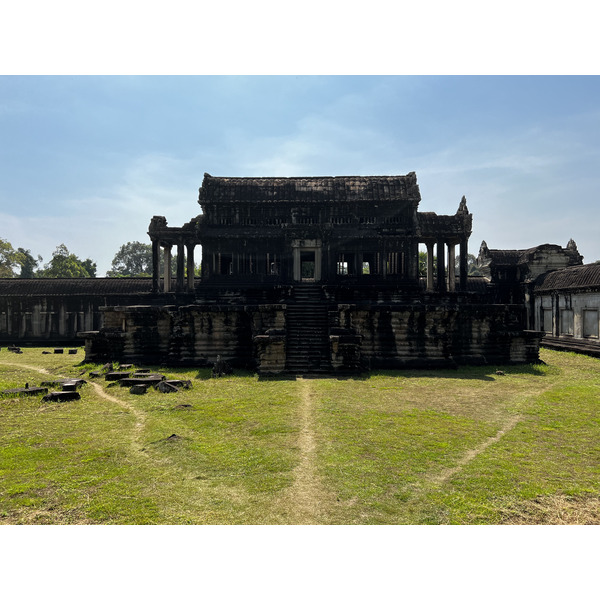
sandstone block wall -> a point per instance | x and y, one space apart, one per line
191 334
444 336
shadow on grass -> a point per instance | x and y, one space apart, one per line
483 373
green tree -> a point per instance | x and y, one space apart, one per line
27 263
89 266
133 259
423 264
8 259
65 264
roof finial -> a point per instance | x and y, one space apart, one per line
462 207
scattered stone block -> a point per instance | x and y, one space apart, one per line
15 349
129 381
221 368
180 383
61 396
166 388
24 391
146 373
62 382
138 388
116 375
125 367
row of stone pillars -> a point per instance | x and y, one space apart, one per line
181 284
439 283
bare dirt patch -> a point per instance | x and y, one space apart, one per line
555 510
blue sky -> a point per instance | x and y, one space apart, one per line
88 160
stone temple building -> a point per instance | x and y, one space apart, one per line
315 274
304 274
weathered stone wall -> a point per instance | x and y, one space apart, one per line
269 338
49 311
183 335
569 315
47 319
404 336
551 258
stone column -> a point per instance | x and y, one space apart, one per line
441 267
297 268
318 259
463 264
155 266
180 267
430 286
414 261
190 267
167 271
451 267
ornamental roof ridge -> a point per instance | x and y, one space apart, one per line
301 189
410 175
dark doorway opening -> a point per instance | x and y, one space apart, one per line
307 265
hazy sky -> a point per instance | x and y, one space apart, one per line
88 160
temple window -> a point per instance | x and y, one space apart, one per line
370 259
547 320
566 321
225 264
590 323
393 266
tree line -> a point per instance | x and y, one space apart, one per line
133 259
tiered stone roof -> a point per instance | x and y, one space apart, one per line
307 189
571 278
88 286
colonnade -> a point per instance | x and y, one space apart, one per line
185 272
437 281
444 249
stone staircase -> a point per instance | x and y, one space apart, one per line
307 348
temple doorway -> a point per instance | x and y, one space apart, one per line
307 260
307 265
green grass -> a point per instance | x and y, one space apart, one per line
385 448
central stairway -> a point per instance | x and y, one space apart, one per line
307 327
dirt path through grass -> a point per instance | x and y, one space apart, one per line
471 454
305 500
140 417
30 367
136 413
507 426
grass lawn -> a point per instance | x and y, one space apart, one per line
398 447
